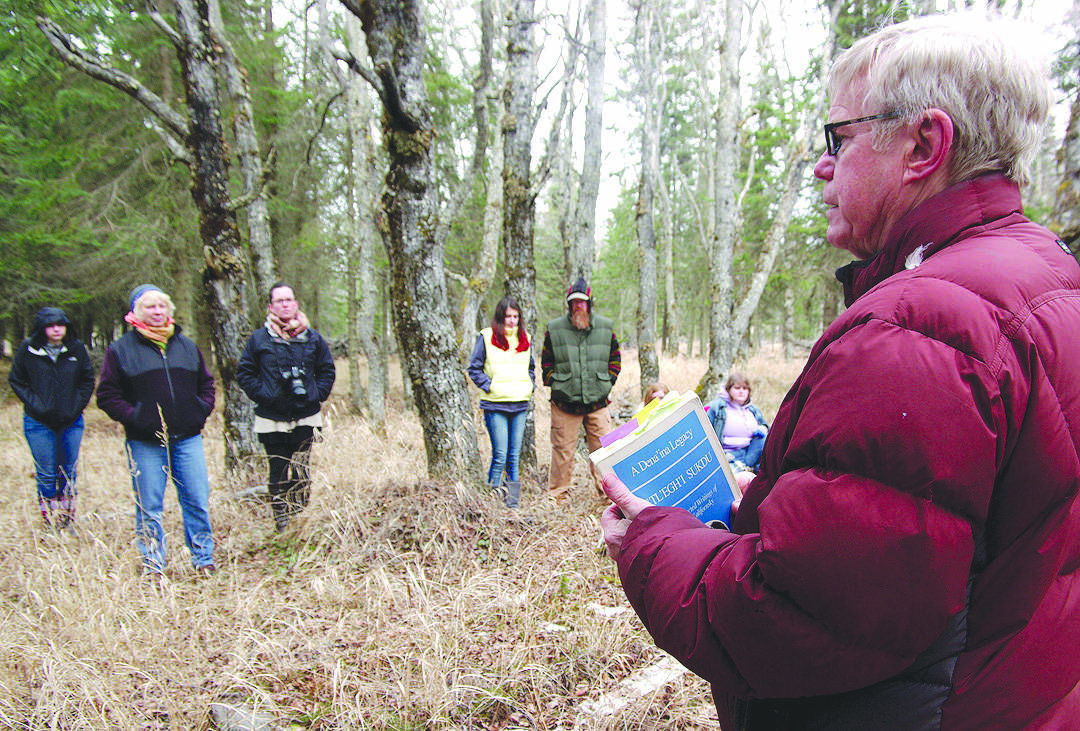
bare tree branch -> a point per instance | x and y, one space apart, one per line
170 32
322 124
359 69
93 66
235 204
176 147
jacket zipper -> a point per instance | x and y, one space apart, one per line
168 378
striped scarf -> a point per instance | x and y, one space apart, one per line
159 334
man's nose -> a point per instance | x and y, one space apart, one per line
823 170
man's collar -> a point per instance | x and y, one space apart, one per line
930 227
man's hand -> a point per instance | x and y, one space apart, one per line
742 479
616 519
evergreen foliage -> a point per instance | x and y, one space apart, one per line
92 201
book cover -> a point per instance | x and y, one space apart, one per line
674 458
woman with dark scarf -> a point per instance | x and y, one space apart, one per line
288 371
53 376
502 367
155 382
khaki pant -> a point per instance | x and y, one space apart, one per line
564 436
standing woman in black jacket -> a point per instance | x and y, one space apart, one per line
288 371
155 382
53 377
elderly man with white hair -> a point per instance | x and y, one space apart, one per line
908 556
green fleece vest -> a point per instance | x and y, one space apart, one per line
581 357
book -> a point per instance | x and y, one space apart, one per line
674 458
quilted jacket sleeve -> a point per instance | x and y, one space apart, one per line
855 542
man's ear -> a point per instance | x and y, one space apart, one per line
932 148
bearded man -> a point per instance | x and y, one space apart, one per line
580 362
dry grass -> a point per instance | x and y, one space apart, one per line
394 603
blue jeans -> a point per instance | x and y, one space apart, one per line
750 455
55 454
151 467
506 431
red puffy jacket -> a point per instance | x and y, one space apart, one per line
908 556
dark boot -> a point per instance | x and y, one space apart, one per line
513 494
296 499
281 515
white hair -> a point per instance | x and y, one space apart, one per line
140 304
979 71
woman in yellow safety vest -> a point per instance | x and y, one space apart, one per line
502 367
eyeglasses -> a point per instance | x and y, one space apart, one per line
833 140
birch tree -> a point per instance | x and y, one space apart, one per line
583 244
670 329
519 196
723 340
362 161
730 320
477 286
795 161
396 45
649 97
198 140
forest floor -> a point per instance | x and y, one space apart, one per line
394 602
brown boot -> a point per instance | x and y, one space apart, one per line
559 493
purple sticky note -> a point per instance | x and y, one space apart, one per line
618 433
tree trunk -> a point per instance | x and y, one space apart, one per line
722 341
728 323
225 261
379 364
583 252
362 162
519 199
787 331
480 282
396 45
648 42
1065 220
672 332
260 240
365 179
353 246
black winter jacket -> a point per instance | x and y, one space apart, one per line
138 379
54 394
264 360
